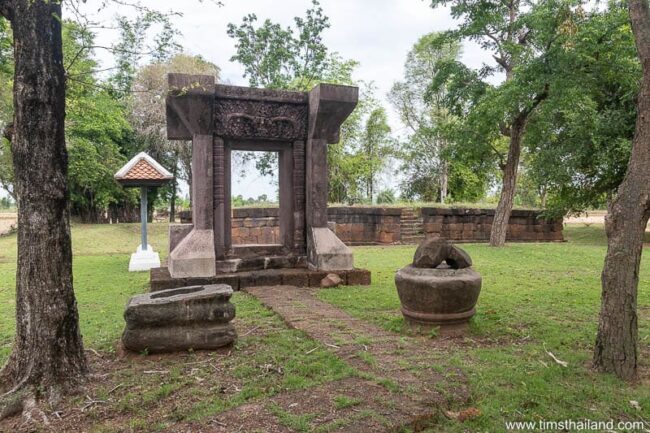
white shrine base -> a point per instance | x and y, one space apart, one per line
144 260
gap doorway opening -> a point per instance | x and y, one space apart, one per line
255 198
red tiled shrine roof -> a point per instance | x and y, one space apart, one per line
142 170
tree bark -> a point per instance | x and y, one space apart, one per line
444 174
616 342
47 357
172 203
506 200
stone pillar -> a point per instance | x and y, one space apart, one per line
190 104
298 150
285 165
202 183
317 180
219 193
195 254
329 106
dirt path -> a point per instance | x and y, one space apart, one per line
397 385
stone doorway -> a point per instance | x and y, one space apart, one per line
286 241
220 119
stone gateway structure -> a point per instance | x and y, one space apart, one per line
298 126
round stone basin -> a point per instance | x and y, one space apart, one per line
438 296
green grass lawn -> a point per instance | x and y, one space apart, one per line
535 298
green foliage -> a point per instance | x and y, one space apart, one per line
364 149
426 163
571 73
376 146
7 203
386 196
527 44
133 46
6 72
581 139
296 58
278 58
465 184
260 201
6 167
96 126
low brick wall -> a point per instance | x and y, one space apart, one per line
366 225
474 225
255 226
384 226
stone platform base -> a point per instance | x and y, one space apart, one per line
161 279
144 260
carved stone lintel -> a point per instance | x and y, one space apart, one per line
252 119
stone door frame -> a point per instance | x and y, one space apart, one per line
299 125
291 192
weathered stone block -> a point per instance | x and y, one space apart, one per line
358 277
271 277
195 317
298 279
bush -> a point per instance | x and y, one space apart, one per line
386 196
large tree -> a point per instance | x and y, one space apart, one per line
578 144
96 127
278 58
523 38
425 115
47 357
376 146
617 339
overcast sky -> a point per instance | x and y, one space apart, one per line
377 33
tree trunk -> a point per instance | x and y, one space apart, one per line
506 201
616 341
48 356
444 172
444 181
172 202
